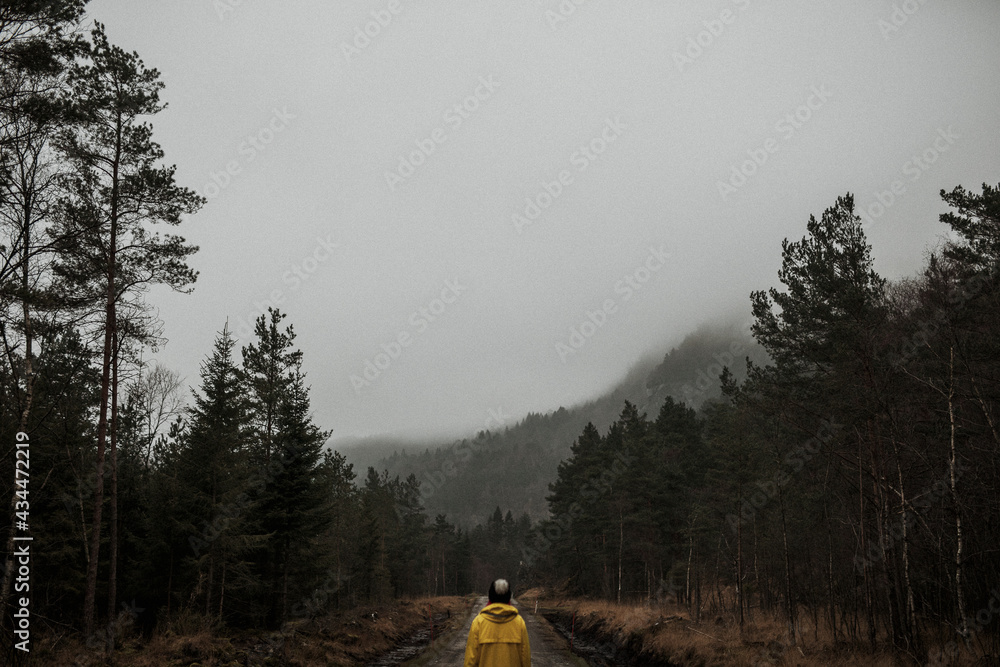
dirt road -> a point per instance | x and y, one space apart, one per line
548 648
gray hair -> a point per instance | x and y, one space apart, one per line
499 591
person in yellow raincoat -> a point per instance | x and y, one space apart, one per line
498 636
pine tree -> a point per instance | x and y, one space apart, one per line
820 331
268 362
579 547
977 223
379 517
214 472
293 508
408 547
173 537
118 188
340 540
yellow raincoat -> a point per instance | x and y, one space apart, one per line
498 638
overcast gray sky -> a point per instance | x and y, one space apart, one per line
355 179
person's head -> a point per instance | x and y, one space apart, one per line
500 591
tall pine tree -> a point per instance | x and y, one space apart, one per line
118 188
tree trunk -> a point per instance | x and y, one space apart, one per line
110 322
284 588
953 485
339 570
170 584
222 588
211 583
789 602
687 585
211 561
912 635
832 609
739 552
621 548
606 583
865 561
89 601
649 592
890 573
113 523
756 567
697 594
718 579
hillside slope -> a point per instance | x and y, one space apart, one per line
467 479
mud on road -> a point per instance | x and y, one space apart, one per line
548 647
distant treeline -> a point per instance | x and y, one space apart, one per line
854 479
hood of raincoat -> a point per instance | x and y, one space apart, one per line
499 612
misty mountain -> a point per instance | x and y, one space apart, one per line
469 478
690 372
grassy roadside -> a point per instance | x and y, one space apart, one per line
666 635
349 637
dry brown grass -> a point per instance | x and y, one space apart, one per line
344 638
668 633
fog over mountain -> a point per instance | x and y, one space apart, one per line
511 460
444 199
